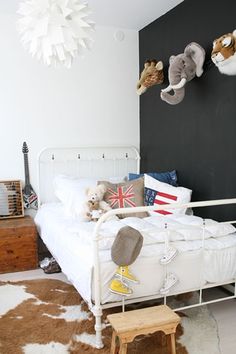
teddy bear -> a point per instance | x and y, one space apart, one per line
94 205
94 212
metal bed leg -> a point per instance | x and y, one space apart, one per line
97 311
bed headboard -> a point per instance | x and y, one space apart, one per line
99 162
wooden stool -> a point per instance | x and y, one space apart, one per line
128 325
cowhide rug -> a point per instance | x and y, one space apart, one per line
48 316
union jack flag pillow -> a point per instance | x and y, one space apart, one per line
121 196
125 195
160 193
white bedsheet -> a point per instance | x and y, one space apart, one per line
70 241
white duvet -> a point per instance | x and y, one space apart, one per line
155 229
70 241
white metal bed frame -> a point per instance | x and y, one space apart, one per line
91 162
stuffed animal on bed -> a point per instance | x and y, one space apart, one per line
94 212
152 74
94 205
223 53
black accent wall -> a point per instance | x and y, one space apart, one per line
198 136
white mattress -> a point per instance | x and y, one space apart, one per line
70 242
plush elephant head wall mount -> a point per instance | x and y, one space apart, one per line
152 74
183 68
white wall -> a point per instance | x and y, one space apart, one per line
93 103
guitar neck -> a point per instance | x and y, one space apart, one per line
26 165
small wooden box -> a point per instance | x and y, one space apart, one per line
18 245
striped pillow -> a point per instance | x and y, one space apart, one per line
160 193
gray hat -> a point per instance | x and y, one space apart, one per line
126 246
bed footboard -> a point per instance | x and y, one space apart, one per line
97 308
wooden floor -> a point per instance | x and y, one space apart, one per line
224 312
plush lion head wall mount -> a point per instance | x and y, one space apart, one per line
223 53
152 74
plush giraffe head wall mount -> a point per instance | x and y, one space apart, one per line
151 75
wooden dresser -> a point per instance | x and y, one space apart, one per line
18 245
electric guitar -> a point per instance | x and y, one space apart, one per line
29 196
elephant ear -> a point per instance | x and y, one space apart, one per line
197 53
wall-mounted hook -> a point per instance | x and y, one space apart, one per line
53 157
78 156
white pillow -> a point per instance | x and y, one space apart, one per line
71 192
158 193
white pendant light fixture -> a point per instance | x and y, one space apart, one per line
55 31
